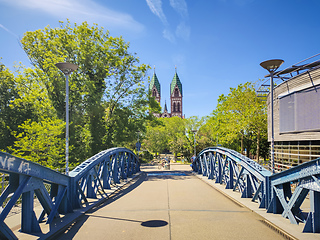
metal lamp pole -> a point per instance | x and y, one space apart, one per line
67 69
272 66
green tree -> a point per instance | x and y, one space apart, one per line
238 120
156 137
107 84
41 142
193 123
39 137
9 118
175 128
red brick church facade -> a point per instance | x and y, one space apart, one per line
175 96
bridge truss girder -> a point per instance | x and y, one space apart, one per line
273 192
66 193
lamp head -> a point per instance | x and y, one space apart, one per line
272 65
66 68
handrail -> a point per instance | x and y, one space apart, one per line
306 177
274 192
236 171
66 193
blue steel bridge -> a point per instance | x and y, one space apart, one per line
63 199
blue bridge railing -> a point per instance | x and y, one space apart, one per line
65 193
281 193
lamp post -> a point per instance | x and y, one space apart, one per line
272 66
194 137
67 69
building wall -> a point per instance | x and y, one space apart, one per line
155 94
176 102
293 147
295 84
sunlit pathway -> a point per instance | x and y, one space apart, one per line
170 205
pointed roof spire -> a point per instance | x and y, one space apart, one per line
165 106
175 81
154 81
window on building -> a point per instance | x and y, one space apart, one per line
176 92
174 107
299 111
154 93
178 110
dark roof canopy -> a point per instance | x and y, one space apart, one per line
295 69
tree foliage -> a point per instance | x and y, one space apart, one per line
239 121
107 93
174 134
108 101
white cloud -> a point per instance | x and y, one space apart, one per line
7 30
85 10
168 35
180 6
156 8
183 31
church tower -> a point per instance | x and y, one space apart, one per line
154 88
176 96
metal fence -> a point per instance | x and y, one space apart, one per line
57 193
273 192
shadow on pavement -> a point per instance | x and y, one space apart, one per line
72 230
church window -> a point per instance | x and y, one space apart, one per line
174 107
176 92
178 107
154 93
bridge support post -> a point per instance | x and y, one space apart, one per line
129 166
230 182
313 220
211 159
90 189
106 174
219 172
29 222
247 192
123 164
265 193
115 170
275 204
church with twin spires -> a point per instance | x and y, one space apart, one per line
175 96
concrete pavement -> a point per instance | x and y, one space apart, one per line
170 205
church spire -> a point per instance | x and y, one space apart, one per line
176 96
165 106
175 81
155 82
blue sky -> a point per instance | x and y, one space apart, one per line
215 44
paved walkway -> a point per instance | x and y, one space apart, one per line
170 205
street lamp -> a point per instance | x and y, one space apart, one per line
67 69
272 66
194 137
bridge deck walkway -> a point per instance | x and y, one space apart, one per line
172 205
